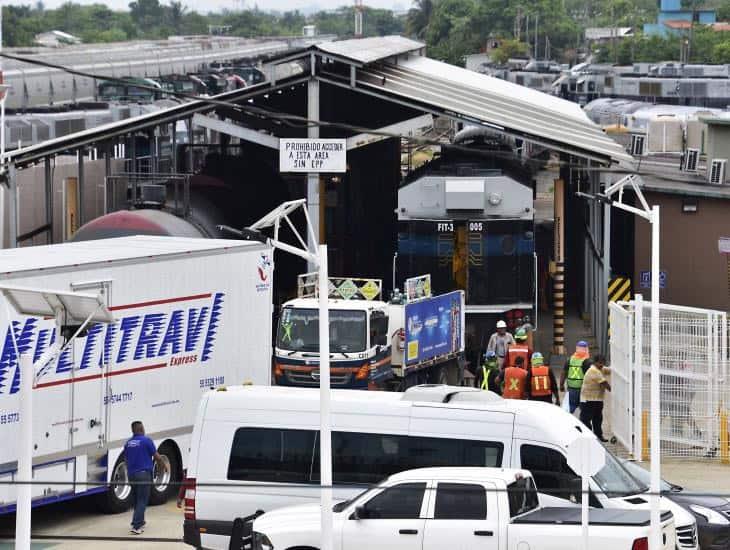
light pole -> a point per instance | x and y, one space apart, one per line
314 255
650 214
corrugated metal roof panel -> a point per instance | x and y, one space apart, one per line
46 257
514 108
368 50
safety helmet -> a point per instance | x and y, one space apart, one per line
582 344
520 334
537 359
490 355
501 324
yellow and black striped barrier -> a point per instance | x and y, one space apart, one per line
619 289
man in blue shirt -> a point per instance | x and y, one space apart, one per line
139 451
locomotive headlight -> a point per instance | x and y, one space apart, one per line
495 199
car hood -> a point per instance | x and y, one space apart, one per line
681 516
716 503
304 515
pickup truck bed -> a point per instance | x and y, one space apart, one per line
596 516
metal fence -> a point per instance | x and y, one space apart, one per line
693 377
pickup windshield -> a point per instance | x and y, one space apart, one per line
299 330
522 495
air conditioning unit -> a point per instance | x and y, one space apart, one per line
689 160
637 145
716 171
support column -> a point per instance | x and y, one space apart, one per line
606 272
49 197
173 153
107 173
559 276
191 139
82 194
12 207
313 189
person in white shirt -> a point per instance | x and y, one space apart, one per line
499 341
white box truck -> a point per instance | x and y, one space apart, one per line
190 315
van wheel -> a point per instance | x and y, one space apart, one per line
163 481
118 497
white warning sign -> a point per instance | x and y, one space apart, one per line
312 155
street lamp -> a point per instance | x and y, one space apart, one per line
316 256
650 214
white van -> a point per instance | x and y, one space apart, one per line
256 448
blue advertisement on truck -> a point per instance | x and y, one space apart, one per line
434 327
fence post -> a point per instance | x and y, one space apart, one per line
639 431
724 443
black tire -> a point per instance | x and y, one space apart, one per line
164 486
118 497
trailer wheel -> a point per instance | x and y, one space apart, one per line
163 481
118 497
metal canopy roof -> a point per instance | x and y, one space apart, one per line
470 96
35 153
367 50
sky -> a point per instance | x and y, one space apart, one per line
204 6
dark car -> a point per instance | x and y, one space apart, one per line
712 513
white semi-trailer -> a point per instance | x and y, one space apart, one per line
190 315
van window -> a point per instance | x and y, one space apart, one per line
552 474
260 454
266 454
460 501
369 458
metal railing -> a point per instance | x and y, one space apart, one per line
145 190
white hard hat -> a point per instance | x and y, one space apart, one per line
501 324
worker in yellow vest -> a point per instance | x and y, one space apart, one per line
541 381
489 373
574 371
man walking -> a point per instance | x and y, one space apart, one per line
574 370
139 450
499 342
514 379
591 396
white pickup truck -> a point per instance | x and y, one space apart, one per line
464 508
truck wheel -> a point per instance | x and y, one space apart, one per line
163 481
118 498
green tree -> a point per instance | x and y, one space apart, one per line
721 52
147 14
418 18
508 48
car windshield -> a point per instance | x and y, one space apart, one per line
616 481
643 476
299 330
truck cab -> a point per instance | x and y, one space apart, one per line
360 347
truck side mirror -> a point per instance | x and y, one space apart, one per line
360 513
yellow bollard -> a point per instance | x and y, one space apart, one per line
724 444
645 435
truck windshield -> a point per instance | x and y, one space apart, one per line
299 330
615 480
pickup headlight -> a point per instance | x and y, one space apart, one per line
711 516
261 542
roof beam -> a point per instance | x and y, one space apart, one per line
401 128
231 129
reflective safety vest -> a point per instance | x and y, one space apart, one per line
515 351
540 383
485 375
575 372
514 383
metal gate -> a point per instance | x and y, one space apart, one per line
622 387
693 372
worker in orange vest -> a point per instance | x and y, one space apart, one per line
519 349
515 381
541 381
